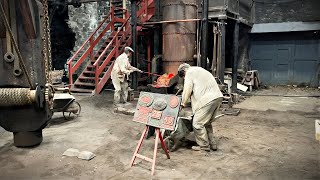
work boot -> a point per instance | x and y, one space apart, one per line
214 147
199 148
116 105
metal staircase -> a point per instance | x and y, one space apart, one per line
95 58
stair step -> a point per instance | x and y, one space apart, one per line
87 78
80 90
88 72
92 72
83 84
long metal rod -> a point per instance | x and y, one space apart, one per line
223 50
153 74
214 60
218 74
172 21
22 64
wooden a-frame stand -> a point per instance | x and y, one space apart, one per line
153 161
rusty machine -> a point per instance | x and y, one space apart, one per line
27 99
26 93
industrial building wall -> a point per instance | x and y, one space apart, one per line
287 58
277 11
284 53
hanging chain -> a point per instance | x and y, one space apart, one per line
47 54
46 42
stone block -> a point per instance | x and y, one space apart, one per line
71 152
86 155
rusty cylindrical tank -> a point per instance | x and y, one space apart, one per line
179 38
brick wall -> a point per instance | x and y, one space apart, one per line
269 11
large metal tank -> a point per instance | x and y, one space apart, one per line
23 109
179 38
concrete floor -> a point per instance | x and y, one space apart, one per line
272 138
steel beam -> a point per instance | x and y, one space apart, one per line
134 42
156 38
235 56
204 34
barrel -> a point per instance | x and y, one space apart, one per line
179 38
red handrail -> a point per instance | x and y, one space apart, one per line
144 13
73 67
113 53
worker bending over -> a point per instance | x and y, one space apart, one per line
120 75
206 98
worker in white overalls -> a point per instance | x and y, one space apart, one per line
120 75
206 98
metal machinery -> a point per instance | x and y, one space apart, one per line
26 94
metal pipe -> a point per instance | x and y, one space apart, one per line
204 34
214 60
156 35
223 56
149 55
235 56
153 74
134 42
172 21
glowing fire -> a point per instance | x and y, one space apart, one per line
163 81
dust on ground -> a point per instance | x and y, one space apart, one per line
272 138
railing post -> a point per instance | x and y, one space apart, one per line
112 18
145 10
117 45
70 75
91 48
96 78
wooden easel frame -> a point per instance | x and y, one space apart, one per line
153 161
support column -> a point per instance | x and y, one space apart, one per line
156 35
235 56
223 51
204 34
134 42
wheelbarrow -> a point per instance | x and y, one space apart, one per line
67 104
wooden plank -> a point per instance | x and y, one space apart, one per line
26 9
144 158
139 145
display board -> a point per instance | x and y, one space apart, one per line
158 110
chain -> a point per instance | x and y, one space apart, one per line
47 54
46 42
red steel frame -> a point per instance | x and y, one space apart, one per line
153 160
120 36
